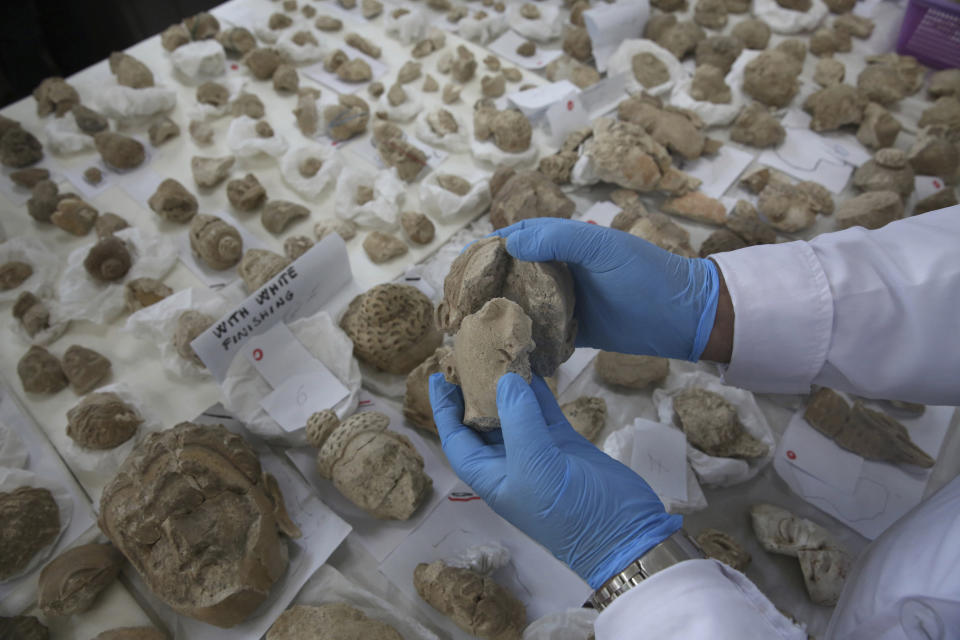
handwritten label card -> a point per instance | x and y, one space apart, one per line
659 456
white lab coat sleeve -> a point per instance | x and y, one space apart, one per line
870 312
695 600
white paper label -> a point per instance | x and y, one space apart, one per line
533 100
718 172
659 456
806 448
604 96
610 24
298 291
506 47
927 186
602 213
566 117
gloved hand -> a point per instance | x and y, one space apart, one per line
590 511
632 296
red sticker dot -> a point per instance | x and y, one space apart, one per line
258 354
791 455
569 105
936 183
234 67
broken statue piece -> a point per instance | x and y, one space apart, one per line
416 399
780 531
280 214
246 193
771 78
119 151
381 247
329 621
129 71
30 521
473 601
172 201
170 515
375 468
834 107
216 242
418 227
85 368
519 195
510 129
871 210
71 582
543 290
587 415
491 342
712 426
258 266
868 433
392 327
209 172
109 260
720 546
102 421
824 573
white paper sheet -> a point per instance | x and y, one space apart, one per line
534 101
380 537
719 171
565 117
809 450
802 156
574 366
660 457
610 24
506 47
602 213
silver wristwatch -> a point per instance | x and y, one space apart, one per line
677 548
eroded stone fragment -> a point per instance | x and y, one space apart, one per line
348 118
721 546
382 247
248 104
190 324
286 79
712 426
872 210
174 36
129 71
102 421
835 106
209 172
717 51
587 415
473 601
202 26
163 130
942 199
824 573
708 85
357 41
246 193
71 582
829 72
280 214
771 78
143 292
13 274
753 32
19 148
55 95
697 206
75 216
29 522
416 400
568 68
945 111
237 41
119 151
330 621
201 132
791 207
526 194
577 44
346 229
889 78
934 153
109 260
216 242
510 129
711 14
780 531
43 201
88 120
757 127
171 201
171 516
28 178
888 170
418 227
878 129
259 265
408 159
649 70
945 83
33 314
85 369
263 62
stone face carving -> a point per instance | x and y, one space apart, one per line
375 468
491 342
102 421
190 324
216 242
866 432
73 580
143 292
416 401
543 290
330 621
259 265
119 151
109 260
474 602
392 327
40 371
587 415
712 425
172 201
85 368
193 501
518 195
29 521
720 546
635 372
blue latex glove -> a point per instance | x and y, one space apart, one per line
590 511
632 296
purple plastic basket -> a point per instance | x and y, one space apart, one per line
931 33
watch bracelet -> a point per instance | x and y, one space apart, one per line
675 549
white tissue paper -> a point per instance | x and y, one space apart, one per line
543 29
713 115
457 142
441 204
409 28
571 624
43 260
299 53
64 136
787 21
11 479
583 173
156 324
264 33
482 558
389 195
482 30
13 451
403 112
621 61
106 462
487 151
328 585
198 111
714 471
310 188
200 60
124 102
619 446
243 387
83 298
58 325
244 141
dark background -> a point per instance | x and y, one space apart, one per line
41 38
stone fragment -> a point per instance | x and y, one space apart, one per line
55 95
360 43
171 201
872 210
942 199
346 229
934 153
835 106
567 68
451 93
28 178
409 72
13 274
493 86
789 207
408 159
829 71
109 223
720 546
757 127
418 227
430 84
771 78
163 130
213 94
711 425
32 313
944 83
826 42
202 26
681 38
708 85
161 498
88 120
371 8
793 48
744 220
74 216
285 79
93 175
143 292
649 70
856 26
346 119
527 49
19 148
332 620
416 400
525 194
454 184
720 241
43 201
587 415
237 41
129 71
263 62
886 80
247 104
258 266
201 132
633 372
697 206
174 36
878 129
246 193
577 44
209 172
945 111
382 247
109 260
29 522
278 21
717 51
217 243
71 582
85 369
190 324
334 59
510 129
711 14
40 372
119 151
512 74
888 170
280 214
102 421
753 32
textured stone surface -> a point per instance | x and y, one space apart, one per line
85 368
29 522
209 172
872 210
678 130
330 621
102 421
172 201
509 129
625 154
416 400
382 247
712 426
40 371
75 216
697 206
526 194
877 175
721 546
143 292
757 127
71 582
771 78
129 71
634 372
13 274
216 242
587 415
55 95
246 193
259 265
119 151
753 32
109 260
835 106
418 227
280 214
19 148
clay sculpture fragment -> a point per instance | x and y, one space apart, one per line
678 130
102 421
720 546
109 260
193 501
509 129
33 314
871 210
143 292
75 216
190 324
40 371
473 601
416 400
71 582
108 224
518 195
23 628
119 151
824 573
543 290
216 242
246 193
863 431
259 265
13 274
712 426
375 468
29 521
392 327
491 342
587 415
757 127
171 201
330 621
85 368
280 214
